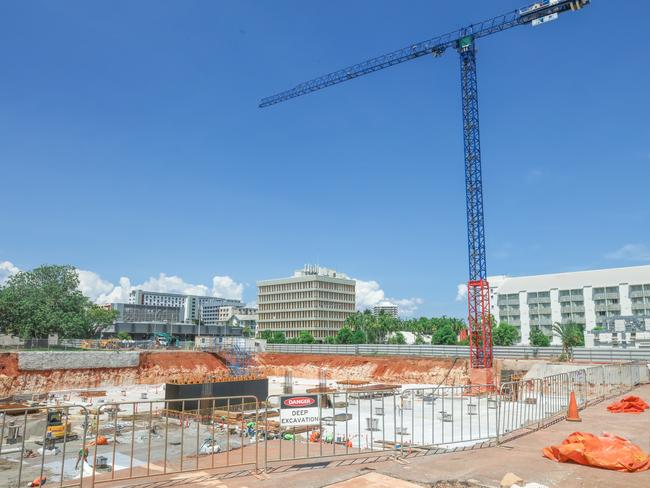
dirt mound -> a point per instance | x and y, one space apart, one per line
372 368
153 368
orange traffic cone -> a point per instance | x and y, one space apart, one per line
573 415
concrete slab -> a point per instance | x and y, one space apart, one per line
478 467
374 480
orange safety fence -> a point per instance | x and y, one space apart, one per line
607 451
629 404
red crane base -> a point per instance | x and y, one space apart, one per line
479 324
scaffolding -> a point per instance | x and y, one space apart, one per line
239 359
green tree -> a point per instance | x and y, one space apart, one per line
247 331
397 338
571 335
47 300
330 340
344 336
505 334
444 335
305 337
369 325
123 336
419 340
266 335
278 337
358 337
97 319
272 337
538 338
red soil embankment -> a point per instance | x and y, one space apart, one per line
154 368
386 369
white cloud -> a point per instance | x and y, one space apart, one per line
408 306
370 293
461 291
222 286
119 293
92 285
226 287
7 269
173 284
630 252
102 291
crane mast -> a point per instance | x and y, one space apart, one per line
463 41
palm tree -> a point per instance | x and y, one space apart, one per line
571 336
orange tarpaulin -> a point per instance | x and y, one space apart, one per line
606 451
629 404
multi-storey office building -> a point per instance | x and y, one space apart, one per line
390 310
130 312
589 298
314 299
190 304
213 314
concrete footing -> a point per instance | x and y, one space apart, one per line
482 376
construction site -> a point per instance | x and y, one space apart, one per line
151 417
339 414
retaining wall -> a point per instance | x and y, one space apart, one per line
51 360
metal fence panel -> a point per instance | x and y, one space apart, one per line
512 352
135 439
40 452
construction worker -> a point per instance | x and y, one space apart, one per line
40 481
251 428
82 457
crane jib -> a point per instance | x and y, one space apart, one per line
463 40
533 14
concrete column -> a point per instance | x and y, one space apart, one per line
556 313
624 296
590 308
524 317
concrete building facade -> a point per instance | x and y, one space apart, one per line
314 299
190 304
130 312
213 314
588 298
390 310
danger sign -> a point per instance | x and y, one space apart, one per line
298 410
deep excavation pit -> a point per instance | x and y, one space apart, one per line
22 373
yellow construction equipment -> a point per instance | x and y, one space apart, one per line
112 343
58 427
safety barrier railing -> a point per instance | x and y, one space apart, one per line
527 403
173 436
77 445
590 354
357 421
449 416
49 428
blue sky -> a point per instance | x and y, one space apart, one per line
131 144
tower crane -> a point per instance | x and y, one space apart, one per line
464 42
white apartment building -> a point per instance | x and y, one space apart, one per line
190 304
387 309
314 299
589 298
214 314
